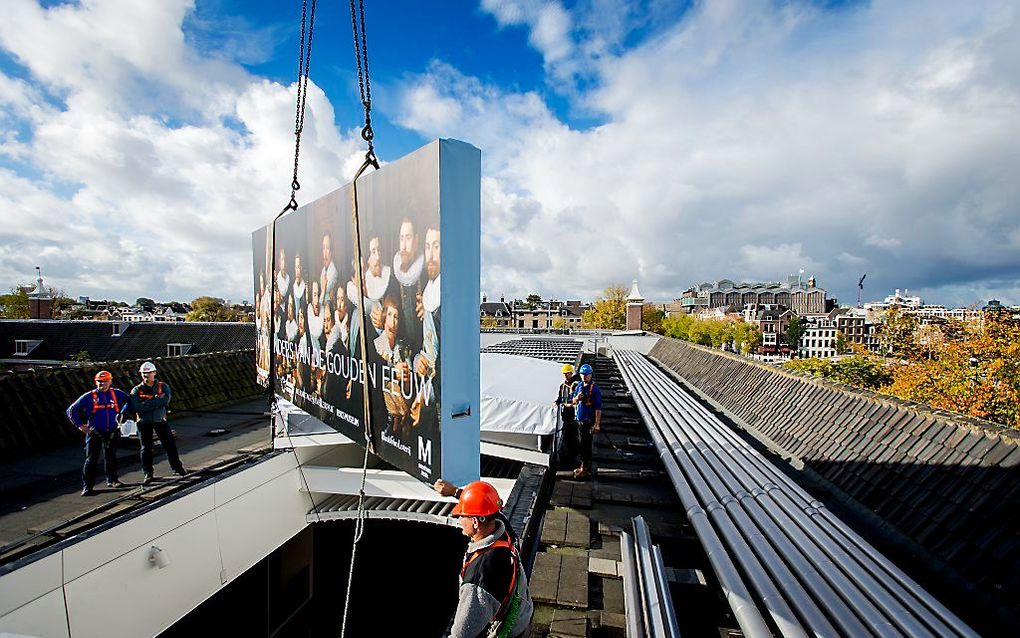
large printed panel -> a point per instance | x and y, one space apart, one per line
309 306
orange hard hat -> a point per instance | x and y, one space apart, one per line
477 499
104 375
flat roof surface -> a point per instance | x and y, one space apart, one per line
42 491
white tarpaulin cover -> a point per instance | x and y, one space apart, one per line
518 394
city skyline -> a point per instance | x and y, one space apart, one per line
669 144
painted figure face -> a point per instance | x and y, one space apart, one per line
315 296
391 321
282 261
341 301
298 273
327 320
327 250
408 244
374 258
432 252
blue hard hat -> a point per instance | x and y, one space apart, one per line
586 369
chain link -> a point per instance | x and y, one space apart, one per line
364 79
304 65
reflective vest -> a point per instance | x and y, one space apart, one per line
96 405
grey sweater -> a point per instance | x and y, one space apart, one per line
484 585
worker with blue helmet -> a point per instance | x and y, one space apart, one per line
587 400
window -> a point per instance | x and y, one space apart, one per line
177 349
24 347
117 330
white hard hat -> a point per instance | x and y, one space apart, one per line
147 367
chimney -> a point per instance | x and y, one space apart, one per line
635 303
40 303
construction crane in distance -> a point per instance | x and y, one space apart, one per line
860 288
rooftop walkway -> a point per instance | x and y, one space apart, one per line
577 581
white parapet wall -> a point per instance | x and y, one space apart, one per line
206 538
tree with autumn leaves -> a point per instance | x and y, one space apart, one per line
608 312
970 369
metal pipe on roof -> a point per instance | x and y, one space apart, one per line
706 521
789 593
859 595
631 595
838 593
655 617
931 611
672 628
911 599
840 553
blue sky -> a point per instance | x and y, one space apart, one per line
664 141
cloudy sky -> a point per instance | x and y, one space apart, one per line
141 142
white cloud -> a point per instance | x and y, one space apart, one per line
168 158
752 139
888 243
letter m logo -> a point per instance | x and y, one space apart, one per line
424 451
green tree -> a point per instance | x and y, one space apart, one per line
145 303
794 331
14 305
651 319
211 309
609 312
82 355
533 300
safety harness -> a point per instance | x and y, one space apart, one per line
586 391
145 396
503 621
96 405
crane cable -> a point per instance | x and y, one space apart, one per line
367 134
304 62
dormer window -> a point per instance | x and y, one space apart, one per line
117 330
22 347
177 349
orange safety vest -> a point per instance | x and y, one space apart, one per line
105 406
514 562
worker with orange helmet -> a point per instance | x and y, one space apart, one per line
97 414
494 600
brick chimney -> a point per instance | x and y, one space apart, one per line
635 303
40 302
